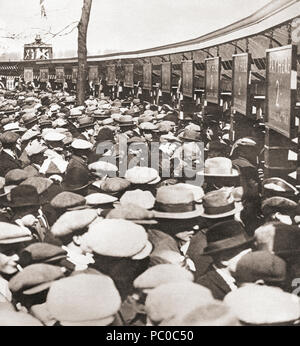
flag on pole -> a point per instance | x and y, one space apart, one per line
43 11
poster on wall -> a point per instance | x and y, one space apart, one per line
74 74
128 80
59 74
28 75
93 74
44 75
188 78
281 84
166 77
111 75
241 83
147 76
212 79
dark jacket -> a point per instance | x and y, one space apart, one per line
8 163
213 281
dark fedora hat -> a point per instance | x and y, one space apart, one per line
224 236
24 196
75 179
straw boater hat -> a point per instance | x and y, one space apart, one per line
173 202
219 167
219 204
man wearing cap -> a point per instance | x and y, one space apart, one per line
81 150
227 243
8 156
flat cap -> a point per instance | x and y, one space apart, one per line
72 221
162 274
41 252
66 200
10 233
84 298
260 265
13 318
35 278
141 175
9 137
81 144
102 166
41 184
111 185
143 199
15 176
176 298
115 238
99 198
263 305
132 212
213 314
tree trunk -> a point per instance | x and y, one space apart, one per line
82 51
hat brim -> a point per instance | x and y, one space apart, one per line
151 182
155 181
144 222
238 207
25 204
73 187
95 204
37 289
234 173
189 139
213 252
145 252
55 258
180 216
16 240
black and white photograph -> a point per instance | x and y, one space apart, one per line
149 165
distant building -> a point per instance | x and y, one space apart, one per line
38 50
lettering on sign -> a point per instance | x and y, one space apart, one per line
111 75
93 74
240 87
188 78
44 75
147 76
28 75
60 74
212 79
37 53
74 74
280 98
166 77
128 81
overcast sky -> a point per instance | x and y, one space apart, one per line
117 25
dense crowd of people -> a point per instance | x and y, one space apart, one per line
121 213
